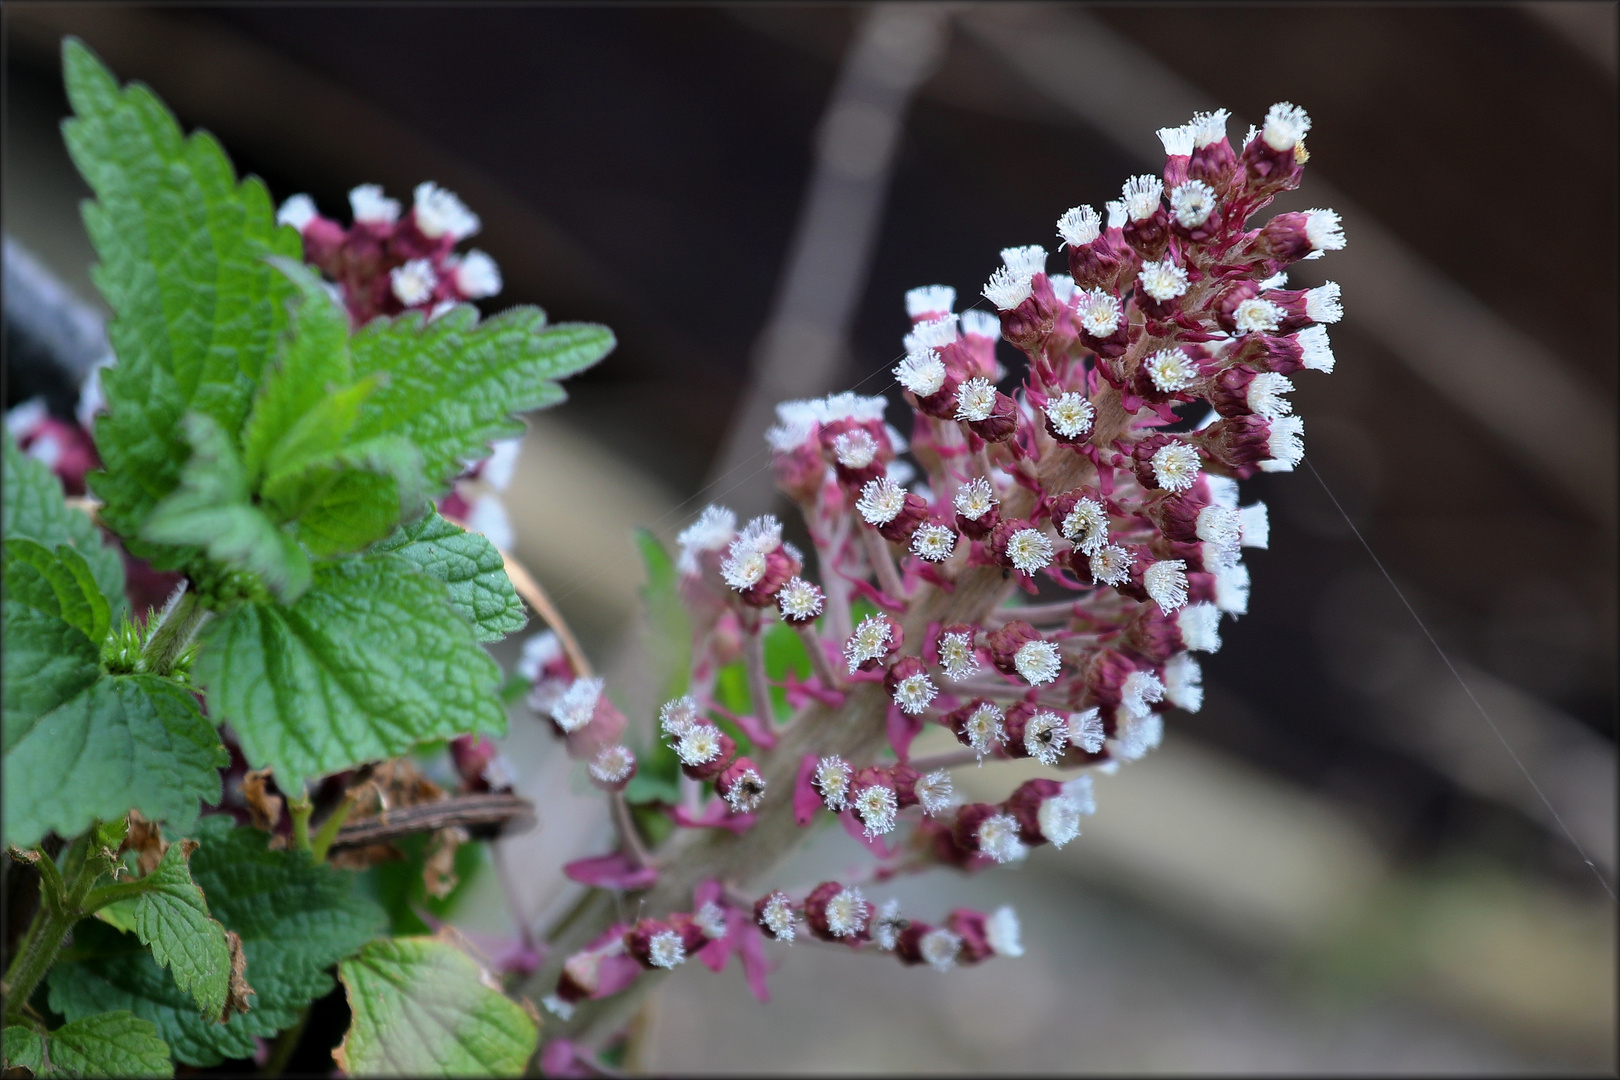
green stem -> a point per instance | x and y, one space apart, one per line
111 894
178 623
285 1044
329 828
299 810
59 910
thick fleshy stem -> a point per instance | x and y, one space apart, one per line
882 560
820 666
177 624
949 760
759 687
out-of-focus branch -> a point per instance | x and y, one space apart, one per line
467 811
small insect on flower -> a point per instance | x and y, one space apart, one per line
984 730
831 780
1086 730
1166 582
800 601
1175 466
957 655
976 399
742 786
998 838
1029 550
1039 662
1171 370
881 501
1111 565
1070 414
933 542
1191 203
975 499
578 703
935 792
886 926
775 914
1086 526
1162 280
1046 736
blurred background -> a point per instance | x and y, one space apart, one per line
1340 864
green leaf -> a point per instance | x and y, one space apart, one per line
124 741
107 1044
470 567
296 918
455 383
55 620
36 508
422 1007
171 917
369 661
197 309
352 497
120 914
24 1047
213 509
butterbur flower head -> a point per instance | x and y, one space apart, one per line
676 717
933 541
655 944
1285 442
1085 525
1175 466
1184 682
934 792
1079 226
997 837
930 302
976 400
438 212
881 501
413 283
799 601
1315 351
1199 625
711 919
1038 662
702 745
613 767
910 687
877 636
1069 416
742 786
1192 203
1322 303
1162 281
1166 582
1141 196
1006 642
957 654
1086 730
711 532
1110 565
922 373
776 915
371 207
874 802
835 912
981 727
577 705
1285 126
298 211
1003 933
476 276
832 779
975 504
1140 690
757 564
1170 370
1046 736
938 947
1100 313
1256 315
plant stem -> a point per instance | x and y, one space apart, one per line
59 910
281 1051
299 810
882 560
819 664
759 688
329 828
177 624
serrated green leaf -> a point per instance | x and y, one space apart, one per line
197 308
469 565
171 918
369 661
35 508
120 914
24 1048
354 496
213 509
108 1044
455 383
55 620
296 918
421 1007
125 741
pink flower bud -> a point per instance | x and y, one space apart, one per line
856 450
836 913
969 925
654 943
776 914
705 752
1024 804
1027 324
1005 643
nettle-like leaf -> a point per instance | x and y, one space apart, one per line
213 509
471 568
171 918
107 1044
55 621
369 661
197 308
296 918
454 383
35 508
422 1007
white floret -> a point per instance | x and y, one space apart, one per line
1192 202
440 213
371 206
578 703
1184 682
1171 370
298 211
1039 662
1141 196
923 373
930 300
881 501
1079 226
1162 280
1166 582
1285 126
976 399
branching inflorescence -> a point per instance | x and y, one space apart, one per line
1039 590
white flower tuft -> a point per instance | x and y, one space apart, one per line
1166 582
298 211
477 276
930 300
574 709
1001 932
371 206
1175 466
711 919
539 651
1141 196
983 729
1162 280
976 399
1256 315
1099 312
923 373
1200 626
1219 526
1315 352
440 213
1265 395
1171 370
1071 414
847 913
1139 691
877 808
1178 141
1079 226
976 323
675 718
998 838
1286 444
957 656
1046 736
777 917
1208 128
869 641
699 744
932 334
1232 588
666 950
1323 230
1275 281
1039 662
1086 526
1285 125
1137 734
712 531
1111 565
940 948
974 499
1063 287
914 693
1079 789
557 1007
1086 730
881 501
746 792
1059 819
796 423
1191 203
855 449
1254 526
1029 260
933 542
799 599
935 792
413 282
1322 303
1007 288
832 777
887 925
1223 491
1184 682
1029 550
1116 214
613 764
745 562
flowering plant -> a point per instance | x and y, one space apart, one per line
276 435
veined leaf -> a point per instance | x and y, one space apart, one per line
422 1007
35 508
106 1044
455 383
469 566
197 308
171 918
296 918
55 621
369 661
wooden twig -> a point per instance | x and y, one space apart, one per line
468 811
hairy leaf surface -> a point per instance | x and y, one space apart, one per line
35 507
106 1044
470 567
172 919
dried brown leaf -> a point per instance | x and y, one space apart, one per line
238 993
262 805
146 840
439 869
